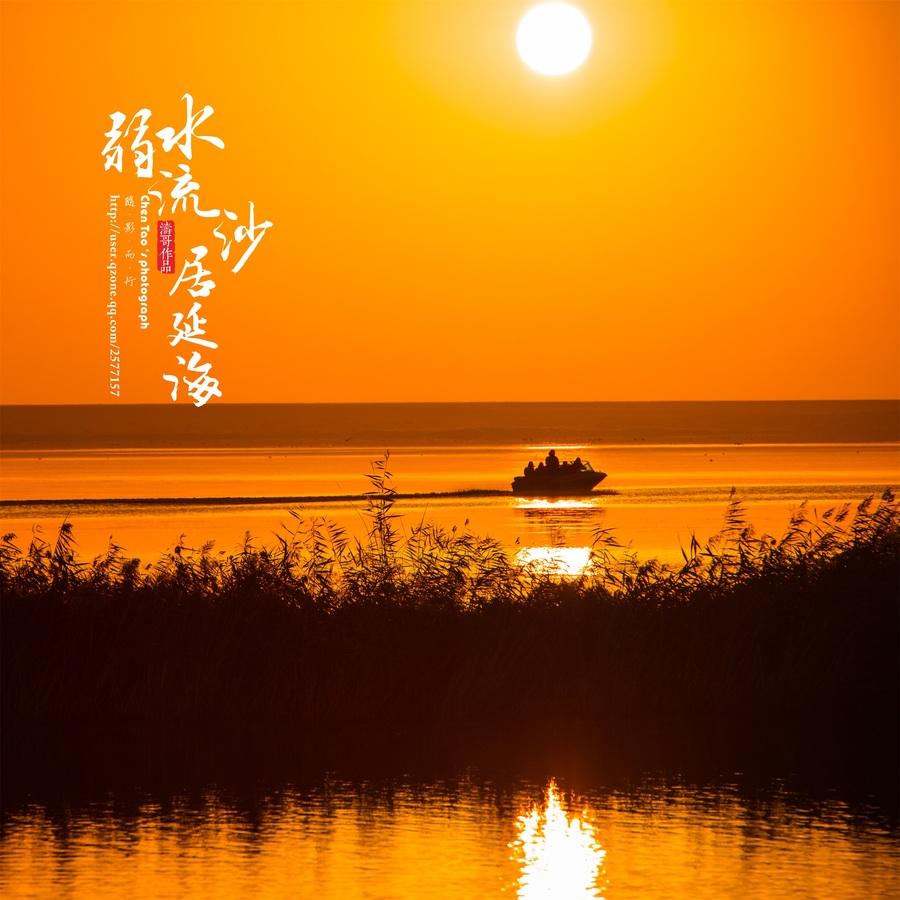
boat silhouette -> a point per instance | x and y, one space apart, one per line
561 479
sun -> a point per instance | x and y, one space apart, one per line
554 38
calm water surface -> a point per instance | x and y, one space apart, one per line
461 838
654 497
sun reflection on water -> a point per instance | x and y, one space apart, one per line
556 504
557 851
556 560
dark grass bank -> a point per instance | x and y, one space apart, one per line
442 630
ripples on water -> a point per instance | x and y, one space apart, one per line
463 838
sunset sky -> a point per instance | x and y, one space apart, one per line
707 209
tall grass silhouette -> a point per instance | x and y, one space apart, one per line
441 625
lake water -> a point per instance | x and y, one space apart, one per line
654 497
464 837
146 476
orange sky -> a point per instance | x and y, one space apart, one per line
707 210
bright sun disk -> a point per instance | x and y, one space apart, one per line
554 38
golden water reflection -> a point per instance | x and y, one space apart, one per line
558 852
556 560
537 503
332 839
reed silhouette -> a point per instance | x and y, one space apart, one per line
442 626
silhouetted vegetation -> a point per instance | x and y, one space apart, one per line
444 627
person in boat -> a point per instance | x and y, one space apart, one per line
578 464
552 461
540 468
529 469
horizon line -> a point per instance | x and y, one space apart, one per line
114 404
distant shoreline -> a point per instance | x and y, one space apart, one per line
355 425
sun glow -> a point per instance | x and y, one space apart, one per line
556 504
558 852
556 560
554 38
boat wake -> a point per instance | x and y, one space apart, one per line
253 501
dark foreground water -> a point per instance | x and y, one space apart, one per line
459 838
616 826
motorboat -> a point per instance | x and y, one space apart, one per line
558 478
